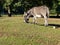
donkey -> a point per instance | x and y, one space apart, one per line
40 11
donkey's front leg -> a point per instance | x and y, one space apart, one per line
35 20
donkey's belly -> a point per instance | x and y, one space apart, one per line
38 15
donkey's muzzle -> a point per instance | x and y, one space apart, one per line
26 21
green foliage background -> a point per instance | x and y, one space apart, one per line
19 6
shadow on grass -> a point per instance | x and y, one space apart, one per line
54 16
56 25
36 24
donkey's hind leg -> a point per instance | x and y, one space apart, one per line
46 20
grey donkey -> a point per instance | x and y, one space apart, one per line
40 11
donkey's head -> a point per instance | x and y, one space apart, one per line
26 17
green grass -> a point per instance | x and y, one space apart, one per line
13 31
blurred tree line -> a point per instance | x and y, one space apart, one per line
19 6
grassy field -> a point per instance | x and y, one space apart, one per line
13 31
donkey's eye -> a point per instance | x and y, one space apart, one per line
27 13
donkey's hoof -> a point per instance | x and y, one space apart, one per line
34 23
46 25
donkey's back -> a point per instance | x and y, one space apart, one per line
40 10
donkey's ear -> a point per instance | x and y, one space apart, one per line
25 13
